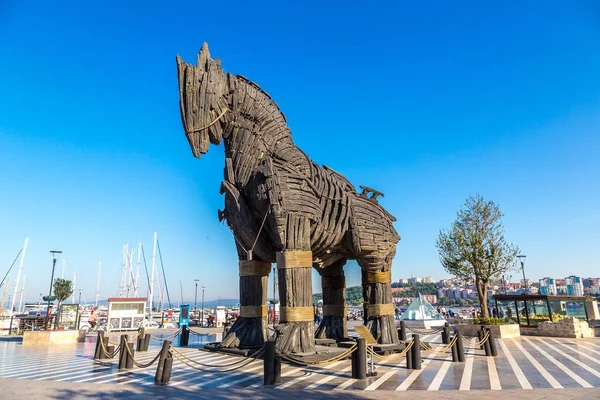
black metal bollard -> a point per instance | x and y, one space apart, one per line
408 355
123 355
480 338
277 369
359 358
459 347
269 363
165 364
486 345
130 356
416 351
184 337
454 351
402 331
139 345
98 352
147 341
493 349
446 334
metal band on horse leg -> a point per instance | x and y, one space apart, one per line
297 314
379 277
377 310
294 259
253 311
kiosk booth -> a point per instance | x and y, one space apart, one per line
184 315
126 314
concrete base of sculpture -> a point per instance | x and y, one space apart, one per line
424 323
51 338
499 331
569 327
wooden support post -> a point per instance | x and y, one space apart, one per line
333 284
459 347
416 351
269 363
493 349
250 329
165 363
378 307
296 329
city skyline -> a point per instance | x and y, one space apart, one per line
427 105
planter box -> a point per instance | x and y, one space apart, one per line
50 338
499 331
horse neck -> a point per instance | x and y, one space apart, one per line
256 131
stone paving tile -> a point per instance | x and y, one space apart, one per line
566 363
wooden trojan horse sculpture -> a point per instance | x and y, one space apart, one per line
283 208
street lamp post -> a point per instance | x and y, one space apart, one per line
196 297
54 253
78 309
522 261
79 301
202 318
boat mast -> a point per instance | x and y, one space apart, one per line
22 291
98 283
74 284
137 272
4 293
152 275
12 305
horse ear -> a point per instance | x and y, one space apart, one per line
203 56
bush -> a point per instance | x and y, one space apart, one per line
490 321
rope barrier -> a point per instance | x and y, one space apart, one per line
391 356
425 331
478 344
240 361
442 350
142 365
308 363
183 358
109 355
161 339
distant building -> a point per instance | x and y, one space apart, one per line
574 286
403 281
414 280
428 279
547 286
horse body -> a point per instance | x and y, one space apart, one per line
276 198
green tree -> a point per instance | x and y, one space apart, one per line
474 248
63 288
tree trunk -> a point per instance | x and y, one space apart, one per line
482 295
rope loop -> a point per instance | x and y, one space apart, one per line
298 361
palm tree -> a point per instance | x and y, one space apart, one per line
63 288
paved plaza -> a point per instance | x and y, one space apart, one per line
550 366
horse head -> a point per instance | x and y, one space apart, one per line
203 91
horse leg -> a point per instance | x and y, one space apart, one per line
250 329
333 283
295 333
377 293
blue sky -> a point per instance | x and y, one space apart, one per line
429 104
